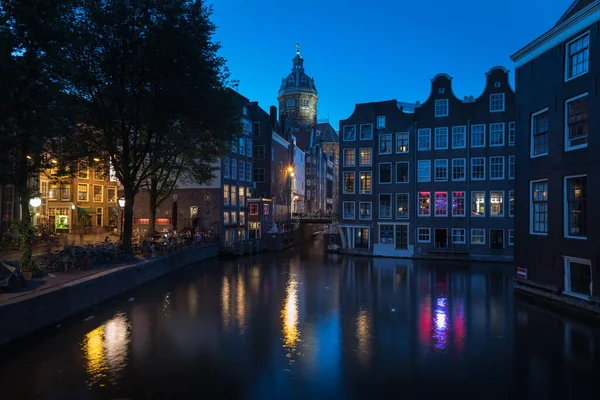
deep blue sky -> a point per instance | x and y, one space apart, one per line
361 51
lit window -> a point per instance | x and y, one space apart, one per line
478 204
497 204
82 192
497 134
349 157
424 139
365 182
364 210
539 207
402 142
441 170
477 168
441 138
349 182
578 56
365 157
459 235
226 218
497 167
458 137
441 108
424 204
385 206
458 204
576 212
233 201
496 102
478 135
424 235
539 133
576 134
401 205
424 172
226 195
441 204
459 166
477 236
97 196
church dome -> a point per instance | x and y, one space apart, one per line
297 80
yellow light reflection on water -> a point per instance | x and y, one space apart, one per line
225 305
193 299
240 304
363 334
106 349
289 316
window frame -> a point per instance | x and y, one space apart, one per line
360 135
108 190
435 137
419 214
391 141
379 208
532 135
483 135
502 169
423 131
566 213
435 167
360 164
464 235
407 142
345 165
497 124
531 208
463 134
407 206
568 146
379 173
380 125
407 172
492 101
567 260
567 64
87 192
353 182
464 169
344 203
511 210
435 214
473 235
503 214
512 133
370 174
510 238
370 217
464 203
101 193
511 171
344 138
441 103
473 165
420 231
428 162
475 215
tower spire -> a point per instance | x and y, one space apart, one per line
298 49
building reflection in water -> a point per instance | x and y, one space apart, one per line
106 350
363 334
192 296
289 315
440 332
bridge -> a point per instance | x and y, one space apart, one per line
313 218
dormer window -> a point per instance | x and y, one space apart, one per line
441 90
441 108
496 84
381 122
245 110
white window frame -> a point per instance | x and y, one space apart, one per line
344 133
398 135
101 193
502 169
435 213
531 141
360 164
496 84
464 235
87 192
485 211
344 209
423 231
495 125
568 57
370 203
407 206
421 133
360 191
419 204
566 207
567 276
458 132
473 230
512 133
381 122
379 173
568 146
464 198
441 104
473 165
511 237
483 135
407 172
531 222
443 164
464 169
361 131
354 158
391 143
226 168
233 174
379 208
344 182
490 203
440 132
496 98
511 172
424 162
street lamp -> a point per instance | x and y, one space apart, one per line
34 203
122 205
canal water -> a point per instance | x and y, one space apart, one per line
304 325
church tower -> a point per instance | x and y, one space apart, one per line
298 95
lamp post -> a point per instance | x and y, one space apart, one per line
34 203
291 174
72 225
122 205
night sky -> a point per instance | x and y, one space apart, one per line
376 50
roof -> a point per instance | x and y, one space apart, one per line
328 133
573 9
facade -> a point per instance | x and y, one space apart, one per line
9 203
431 178
298 179
559 168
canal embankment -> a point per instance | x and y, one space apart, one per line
27 313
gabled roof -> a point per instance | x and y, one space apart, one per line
573 9
328 133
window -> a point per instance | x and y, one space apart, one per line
477 168
578 56
226 167
381 122
256 129
576 213
441 204
249 147
385 143
539 133
401 205
497 134
511 203
366 132
365 208
349 133
511 167
401 237
385 206
441 170
496 84
441 90
424 173
424 203
511 134
99 173
233 201
459 137
458 204
365 182
259 152
578 277
496 102
233 168
242 150
112 194
242 218
272 154
576 135
424 139
349 157
539 207
53 191
441 108
478 136
511 237
478 204
65 192
242 171
497 167
259 175
234 145
82 171
226 195
477 236
248 172
97 195
349 212
402 172
423 235
349 182
226 218
459 166
254 209
459 235
365 157
82 192
241 195
361 238
441 138
386 234
496 203
385 172
402 142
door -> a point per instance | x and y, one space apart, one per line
441 237
497 239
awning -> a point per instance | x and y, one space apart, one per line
84 211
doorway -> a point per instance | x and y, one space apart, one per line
441 238
497 239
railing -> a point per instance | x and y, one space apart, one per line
315 215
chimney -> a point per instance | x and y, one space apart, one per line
282 126
273 114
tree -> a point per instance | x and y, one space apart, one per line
150 86
31 104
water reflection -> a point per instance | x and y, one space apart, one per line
225 305
106 350
363 334
193 299
289 315
240 305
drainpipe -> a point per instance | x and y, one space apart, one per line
468 177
